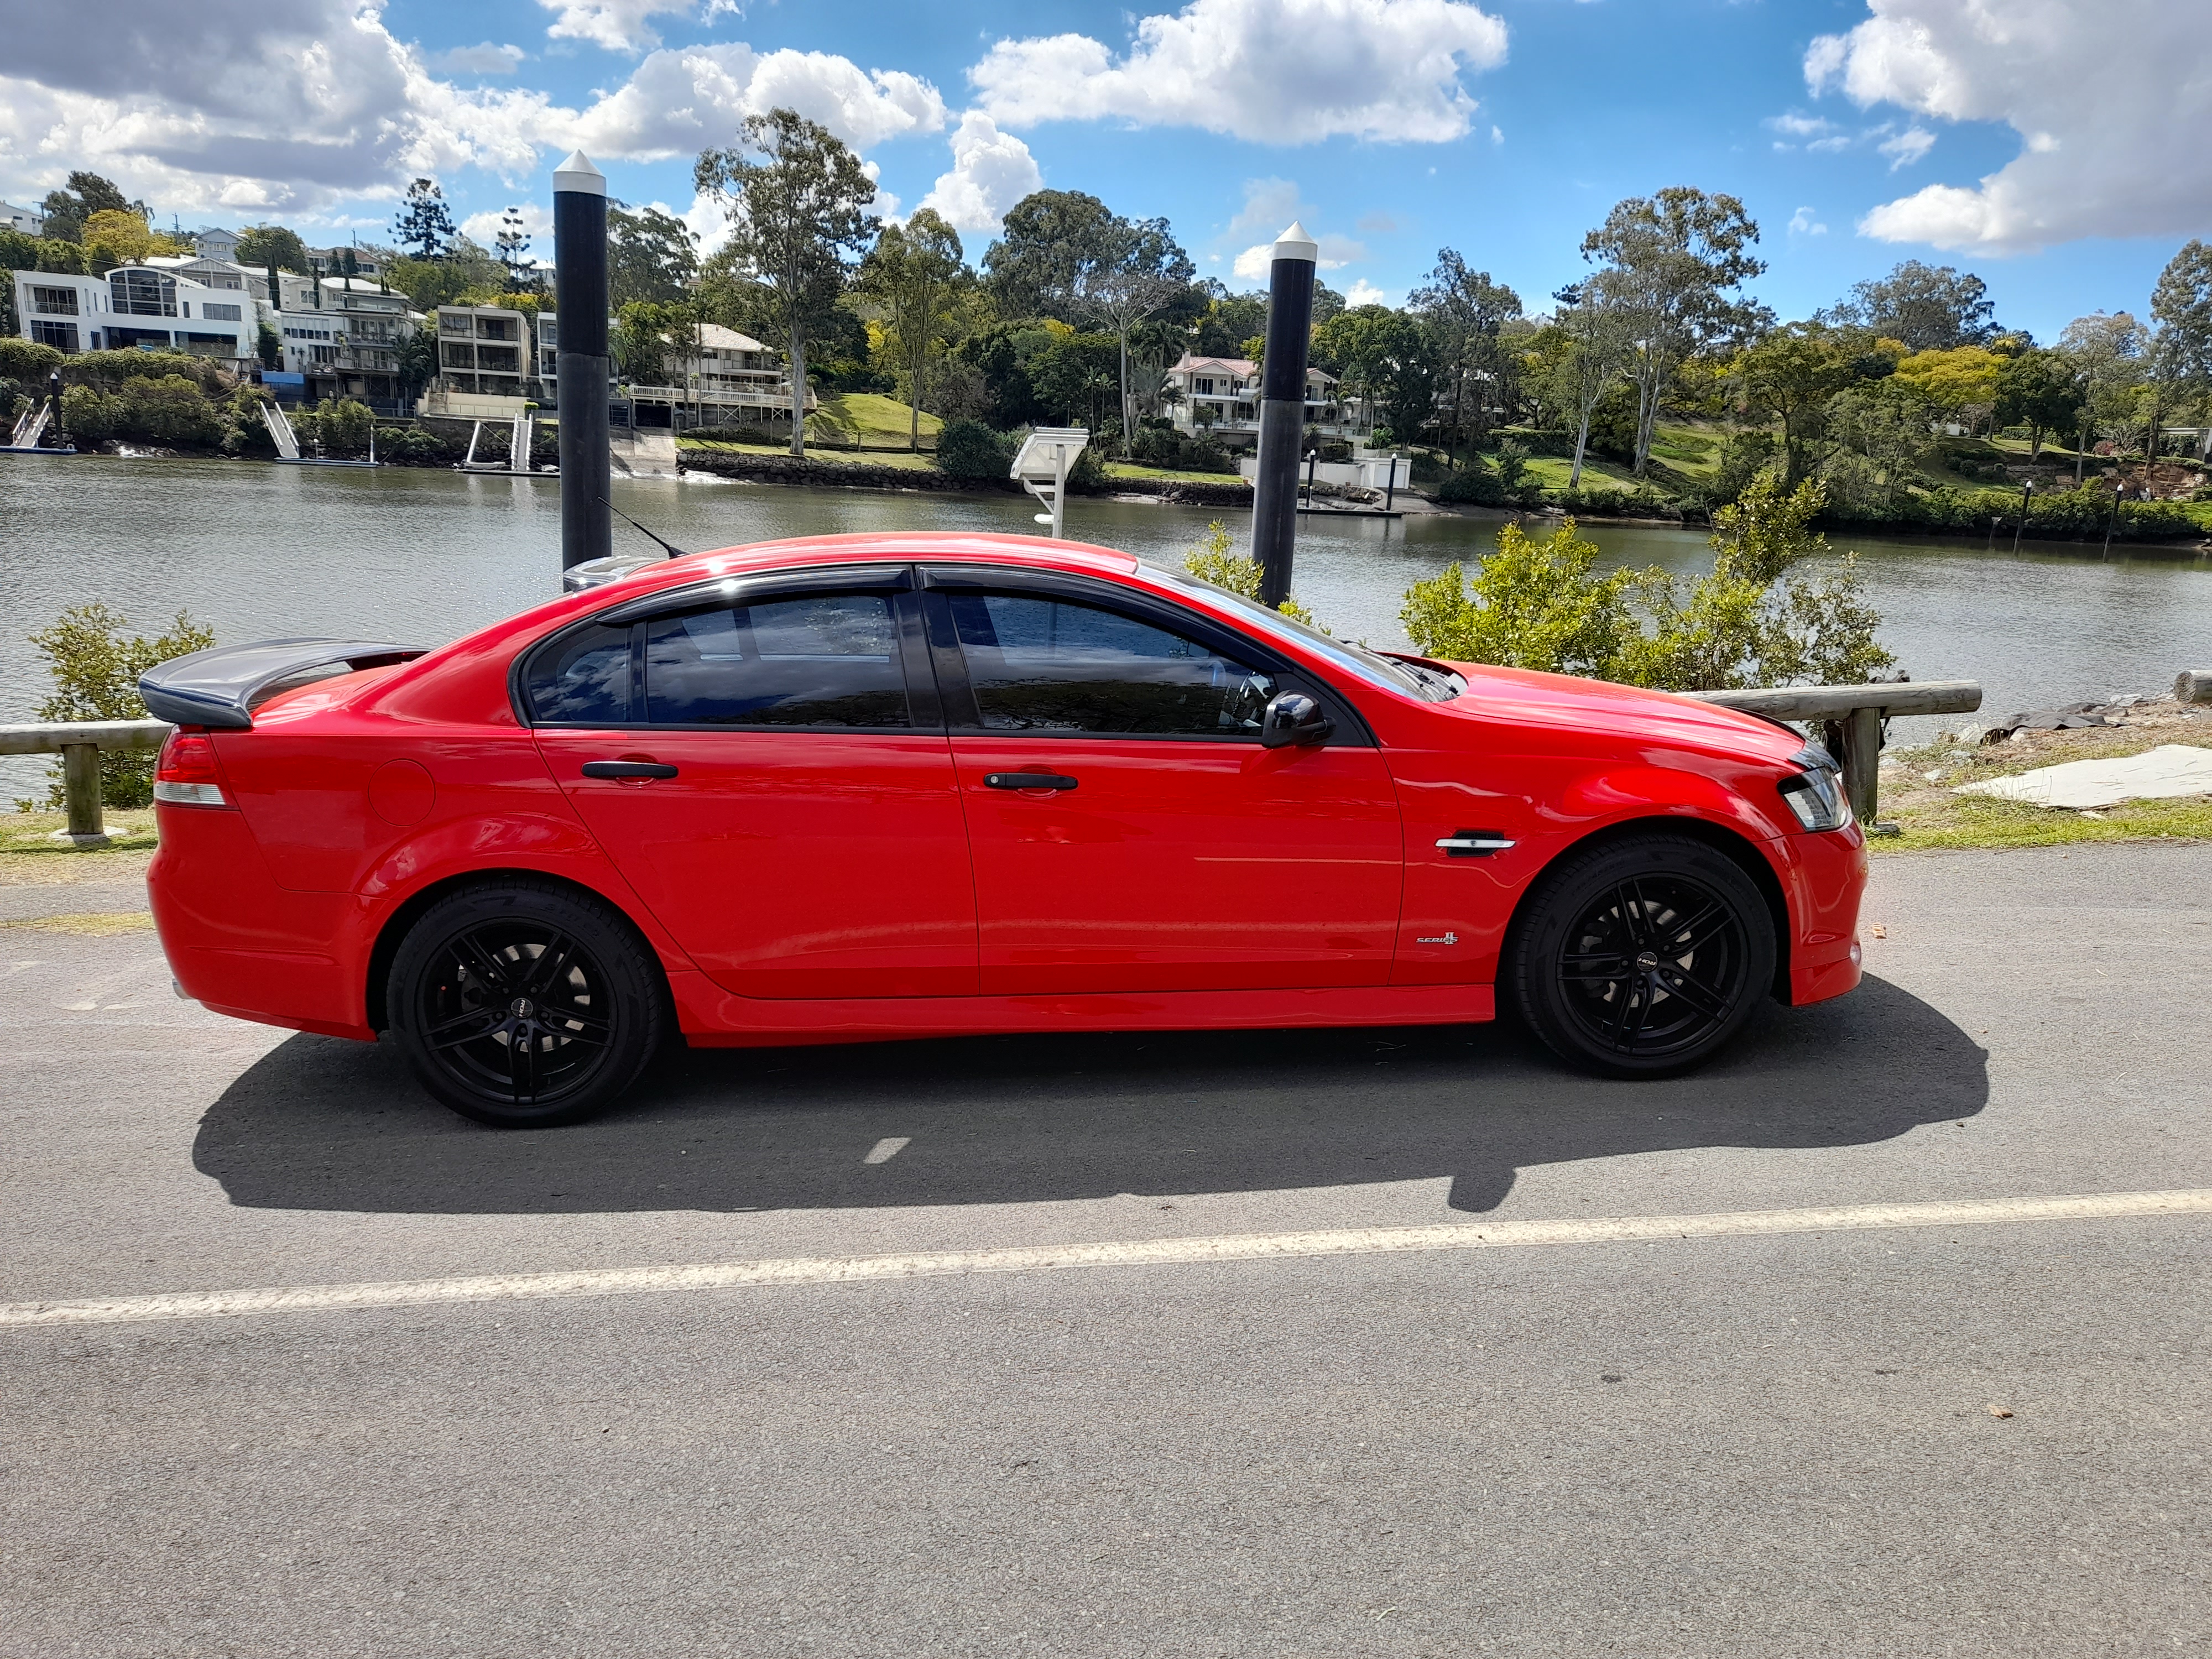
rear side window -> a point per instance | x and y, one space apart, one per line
1039 665
823 660
584 680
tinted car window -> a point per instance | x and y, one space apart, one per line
1049 665
584 680
828 659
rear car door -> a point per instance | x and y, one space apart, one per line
765 763
1162 846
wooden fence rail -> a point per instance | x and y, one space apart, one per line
79 742
1853 716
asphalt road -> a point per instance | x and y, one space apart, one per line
1721 1446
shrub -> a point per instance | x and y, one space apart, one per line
1531 605
1156 443
969 449
169 410
338 426
111 369
1543 604
95 671
1215 561
90 415
28 360
1473 484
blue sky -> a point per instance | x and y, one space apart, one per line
2014 139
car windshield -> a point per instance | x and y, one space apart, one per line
1430 684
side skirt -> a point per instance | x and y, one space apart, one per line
711 1017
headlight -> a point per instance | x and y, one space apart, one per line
1816 794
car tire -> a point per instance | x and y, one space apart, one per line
1643 956
524 1004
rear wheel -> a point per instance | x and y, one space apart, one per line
522 1005
1642 957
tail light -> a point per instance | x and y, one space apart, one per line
187 775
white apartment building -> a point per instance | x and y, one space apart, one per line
134 307
30 220
342 339
1219 396
486 364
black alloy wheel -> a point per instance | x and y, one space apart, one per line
522 1004
1643 956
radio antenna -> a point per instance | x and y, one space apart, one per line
674 551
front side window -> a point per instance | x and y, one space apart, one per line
60 336
1040 665
54 301
823 660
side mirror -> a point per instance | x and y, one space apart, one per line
1294 718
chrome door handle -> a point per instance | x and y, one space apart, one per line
1027 780
628 768
1474 844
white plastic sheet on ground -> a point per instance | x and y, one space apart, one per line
2171 769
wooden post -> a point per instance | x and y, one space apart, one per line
80 794
1862 761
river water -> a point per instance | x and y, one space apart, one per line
256 550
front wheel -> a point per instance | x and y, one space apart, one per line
1642 957
522 1004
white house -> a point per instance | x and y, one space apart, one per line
1220 397
134 307
722 377
30 220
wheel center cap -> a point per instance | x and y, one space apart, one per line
1648 961
522 1008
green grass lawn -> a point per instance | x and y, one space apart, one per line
1130 471
874 421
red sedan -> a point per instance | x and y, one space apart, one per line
871 786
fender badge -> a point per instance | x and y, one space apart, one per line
1448 938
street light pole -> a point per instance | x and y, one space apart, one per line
579 281
1282 411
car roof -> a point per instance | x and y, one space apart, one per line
873 547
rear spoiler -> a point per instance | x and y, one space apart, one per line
222 687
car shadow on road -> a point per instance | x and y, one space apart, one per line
320 1124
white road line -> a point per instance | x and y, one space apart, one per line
887 1149
1134 1253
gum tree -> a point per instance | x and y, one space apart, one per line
797 201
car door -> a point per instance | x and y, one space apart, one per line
1161 847
761 765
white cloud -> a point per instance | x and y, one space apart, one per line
2109 123
991 170
618 25
537 223
686 98
1270 204
1802 224
249 111
1794 125
1907 147
1335 253
1276 71
484 59
1364 293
